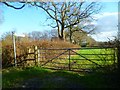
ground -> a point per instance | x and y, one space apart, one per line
36 77
59 82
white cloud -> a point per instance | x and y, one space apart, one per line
108 0
106 26
105 14
105 36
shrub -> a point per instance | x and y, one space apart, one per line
22 50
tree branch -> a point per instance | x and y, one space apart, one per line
13 6
46 10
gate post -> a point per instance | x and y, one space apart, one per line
35 54
118 57
69 58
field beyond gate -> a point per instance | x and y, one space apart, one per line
76 59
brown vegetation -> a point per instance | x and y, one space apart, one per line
22 49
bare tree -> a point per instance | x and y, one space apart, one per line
35 35
62 12
67 15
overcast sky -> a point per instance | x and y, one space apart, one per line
31 19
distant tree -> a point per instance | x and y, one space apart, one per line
35 35
91 42
84 26
45 35
78 36
38 35
53 33
6 38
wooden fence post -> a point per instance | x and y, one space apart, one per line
29 51
35 54
69 58
38 56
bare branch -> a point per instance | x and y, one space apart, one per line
14 6
47 11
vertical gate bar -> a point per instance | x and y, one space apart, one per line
114 56
69 58
34 55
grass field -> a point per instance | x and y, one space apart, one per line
36 77
91 57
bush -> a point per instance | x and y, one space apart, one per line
22 50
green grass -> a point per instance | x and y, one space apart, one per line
102 57
13 77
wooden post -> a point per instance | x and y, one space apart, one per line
38 56
14 46
35 54
69 58
29 51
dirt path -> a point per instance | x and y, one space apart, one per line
56 82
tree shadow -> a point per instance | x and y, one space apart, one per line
36 77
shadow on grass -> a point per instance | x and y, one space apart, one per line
36 77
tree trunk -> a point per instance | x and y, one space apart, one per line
60 34
70 36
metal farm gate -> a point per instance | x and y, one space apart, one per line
76 59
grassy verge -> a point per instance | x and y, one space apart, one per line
14 77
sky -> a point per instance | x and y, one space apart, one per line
107 22
31 19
